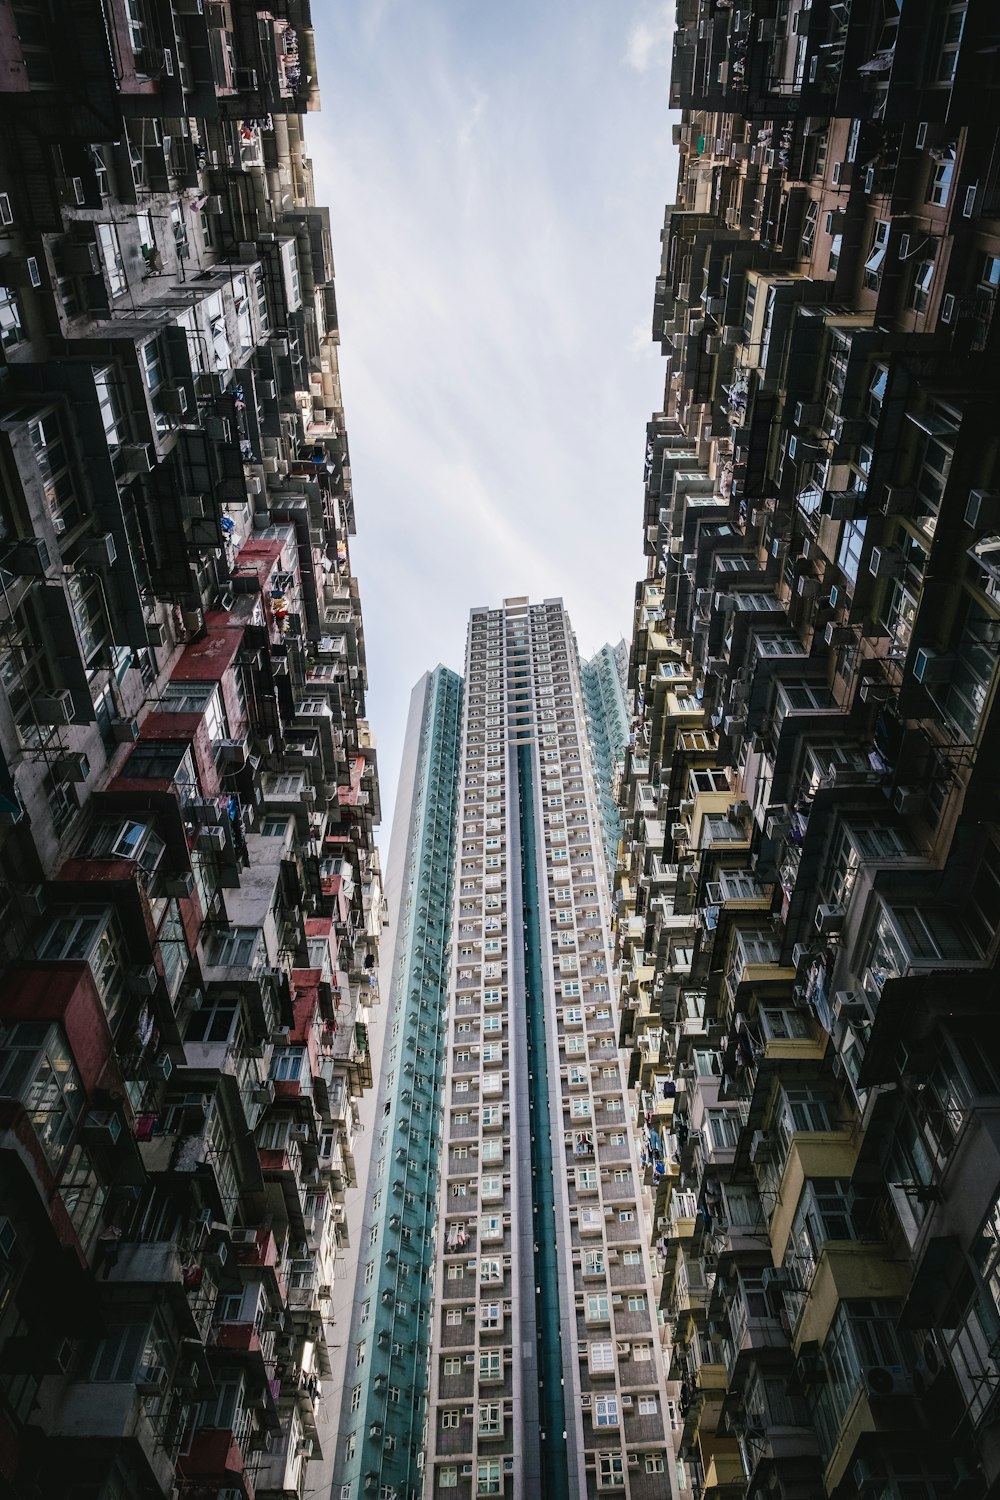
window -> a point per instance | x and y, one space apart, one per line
654 1463
362 1353
610 1470
37 1067
448 1477
626 1216
950 42
490 1316
923 277
450 1418
724 1127
491 1364
490 1419
862 1334
233 948
453 1317
601 1358
111 256
355 1398
649 1406
876 255
488 1477
598 1307
605 1411
11 330
452 1366
941 178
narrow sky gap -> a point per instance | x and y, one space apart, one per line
496 178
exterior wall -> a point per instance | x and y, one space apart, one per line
532 1066
190 894
604 679
383 1409
806 943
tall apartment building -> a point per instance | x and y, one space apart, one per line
809 899
383 1404
546 1375
604 678
190 897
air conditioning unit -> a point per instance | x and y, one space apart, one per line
908 800
896 499
809 1368
173 399
180 887
800 953
848 431
842 505
100 552
837 635
734 725
81 258
54 708
152 1380
212 839
102 1125
304 1447
232 753
143 980
904 246
774 1278
215 204
969 204
777 825
208 384
245 78
869 179
874 691
932 666
829 918
761 1147
138 458
28 558
982 510
156 634
850 1005
125 731
930 1364
807 413
887 1380
887 562
948 307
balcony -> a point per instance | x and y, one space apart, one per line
113 1411
216 1457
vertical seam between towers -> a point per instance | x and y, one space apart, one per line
552 1406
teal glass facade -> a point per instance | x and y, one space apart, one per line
383 1408
603 681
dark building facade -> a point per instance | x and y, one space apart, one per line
190 894
809 895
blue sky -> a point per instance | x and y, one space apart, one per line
496 174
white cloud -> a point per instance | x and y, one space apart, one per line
496 187
650 37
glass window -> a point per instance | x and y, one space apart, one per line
37 1067
605 1411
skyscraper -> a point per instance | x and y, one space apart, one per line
603 678
545 1371
190 895
383 1401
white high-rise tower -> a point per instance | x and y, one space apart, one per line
546 1375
